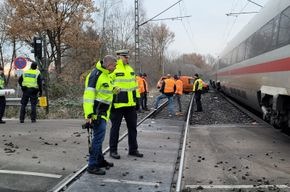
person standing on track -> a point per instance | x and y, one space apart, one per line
146 91
31 85
178 93
141 90
197 89
124 105
97 100
167 89
2 98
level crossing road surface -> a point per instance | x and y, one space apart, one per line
36 156
237 157
159 141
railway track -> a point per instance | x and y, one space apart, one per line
64 185
224 148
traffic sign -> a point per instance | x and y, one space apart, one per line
20 63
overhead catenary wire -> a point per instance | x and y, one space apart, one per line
160 13
188 30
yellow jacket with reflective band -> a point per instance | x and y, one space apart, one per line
197 85
30 78
99 87
2 82
179 87
124 78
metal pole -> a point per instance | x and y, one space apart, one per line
138 66
45 70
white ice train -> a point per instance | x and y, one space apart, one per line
254 68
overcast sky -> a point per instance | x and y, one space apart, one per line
208 29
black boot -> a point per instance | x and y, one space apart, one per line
96 171
106 164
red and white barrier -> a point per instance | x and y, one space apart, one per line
7 92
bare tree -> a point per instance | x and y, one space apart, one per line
119 32
155 39
60 20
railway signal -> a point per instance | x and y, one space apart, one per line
37 47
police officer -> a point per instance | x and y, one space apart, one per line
30 83
124 105
2 98
197 89
97 99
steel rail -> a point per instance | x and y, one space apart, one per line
62 186
244 110
182 156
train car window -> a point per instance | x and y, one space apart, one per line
228 58
266 33
234 56
222 63
256 38
248 45
241 52
275 32
284 28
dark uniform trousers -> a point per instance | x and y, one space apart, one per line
130 115
197 97
29 94
144 100
2 106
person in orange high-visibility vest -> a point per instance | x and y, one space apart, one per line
167 89
146 91
141 91
178 93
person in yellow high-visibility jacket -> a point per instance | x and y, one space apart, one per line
97 101
2 97
124 105
197 89
31 85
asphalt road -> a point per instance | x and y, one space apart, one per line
35 157
237 157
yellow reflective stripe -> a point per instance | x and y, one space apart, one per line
90 89
129 89
104 101
105 91
124 80
88 100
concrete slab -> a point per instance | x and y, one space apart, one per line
159 140
239 156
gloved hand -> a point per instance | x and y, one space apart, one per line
116 90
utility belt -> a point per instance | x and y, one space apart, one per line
122 97
100 108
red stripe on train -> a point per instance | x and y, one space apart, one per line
272 66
